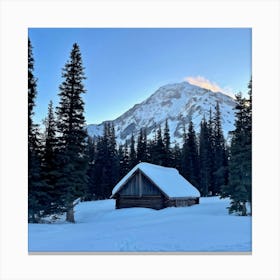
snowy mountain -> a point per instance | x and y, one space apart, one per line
178 103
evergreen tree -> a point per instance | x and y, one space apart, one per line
103 163
190 164
152 148
35 183
142 146
239 187
32 88
106 167
220 171
50 173
113 163
167 149
183 164
159 149
248 144
204 158
211 137
98 168
91 151
132 154
176 157
72 135
124 160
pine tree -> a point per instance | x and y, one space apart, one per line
50 170
113 163
190 164
32 88
103 163
72 135
248 145
132 154
211 137
142 146
159 149
91 154
176 157
183 164
35 183
152 148
98 167
124 160
167 149
239 187
204 158
106 166
220 171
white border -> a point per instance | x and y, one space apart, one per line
17 16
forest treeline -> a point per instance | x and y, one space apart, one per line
64 163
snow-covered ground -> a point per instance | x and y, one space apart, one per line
205 227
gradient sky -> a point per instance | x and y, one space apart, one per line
125 66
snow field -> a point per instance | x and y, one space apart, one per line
205 227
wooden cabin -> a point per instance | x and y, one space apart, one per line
154 186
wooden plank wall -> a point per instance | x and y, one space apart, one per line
139 185
181 202
147 202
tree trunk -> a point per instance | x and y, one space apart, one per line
244 209
70 215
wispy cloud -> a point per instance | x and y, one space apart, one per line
205 83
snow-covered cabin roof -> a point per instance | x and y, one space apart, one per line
167 179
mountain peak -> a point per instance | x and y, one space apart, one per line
177 102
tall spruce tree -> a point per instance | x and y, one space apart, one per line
106 166
183 165
142 146
36 185
113 163
97 168
159 149
176 157
32 88
72 135
248 145
220 172
190 163
166 142
152 148
91 150
239 187
211 154
35 182
204 158
132 152
124 160
50 170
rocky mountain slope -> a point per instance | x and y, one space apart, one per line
178 103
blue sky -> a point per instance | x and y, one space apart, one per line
124 66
